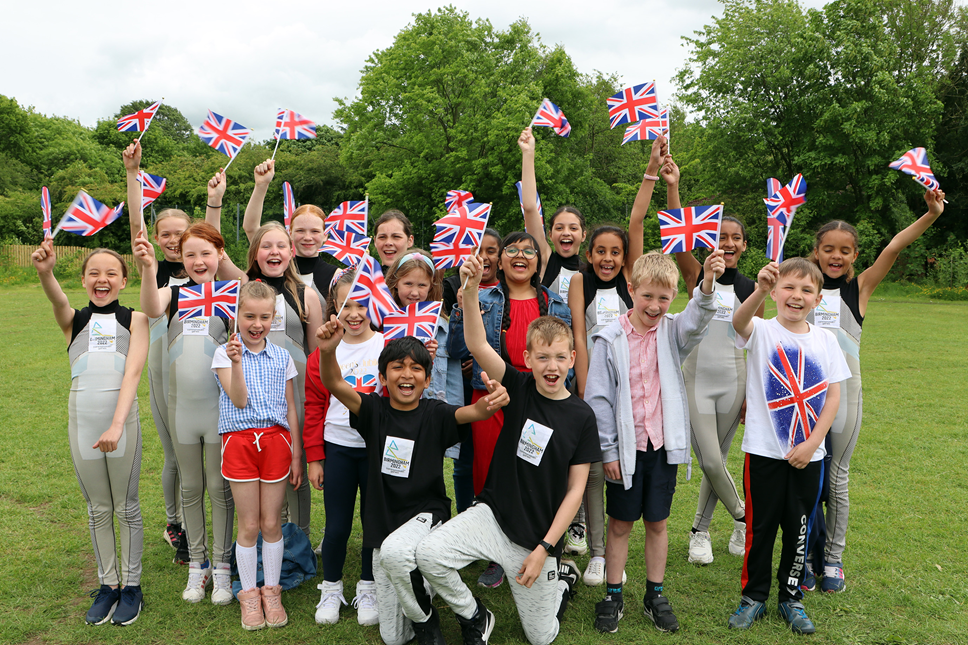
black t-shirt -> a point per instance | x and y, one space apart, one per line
525 497
410 445
168 270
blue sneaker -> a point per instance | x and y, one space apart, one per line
129 608
105 602
492 577
833 577
792 612
749 612
809 580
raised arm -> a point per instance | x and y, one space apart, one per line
134 364
132 164
474 334
529 196
743 316
263 174
44 260
576 303
216 192
640 207
154 301
328 337
497 397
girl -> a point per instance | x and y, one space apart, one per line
392 236
168 228
715 378
297 310
508 308
842 312
193 406
257 409
306 228
107 345
337 453
568 229
412 279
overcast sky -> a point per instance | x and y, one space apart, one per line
84 60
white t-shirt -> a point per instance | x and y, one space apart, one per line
786 385
359 365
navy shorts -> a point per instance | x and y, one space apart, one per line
650 496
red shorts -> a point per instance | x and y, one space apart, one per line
260 454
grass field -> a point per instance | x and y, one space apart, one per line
906 557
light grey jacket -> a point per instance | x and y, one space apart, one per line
608 390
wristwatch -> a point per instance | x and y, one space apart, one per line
548 547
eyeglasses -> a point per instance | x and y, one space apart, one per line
512 251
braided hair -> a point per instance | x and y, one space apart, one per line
514 238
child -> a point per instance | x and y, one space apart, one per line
406 436
508 309
297 310
845 305
792 394
715 377
107 345
392 236
635 388
259 453
533 488
193 407
337 453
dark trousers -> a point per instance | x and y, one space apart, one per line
778 496
464 476
344 470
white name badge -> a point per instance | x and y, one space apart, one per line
564 283
397 454
279 318
725 302
102 335
195 326
607 307
533 442
827 313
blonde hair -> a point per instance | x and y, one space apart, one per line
407 263
656 268
802 268
102 251
548 329
171 212
255 290
292 282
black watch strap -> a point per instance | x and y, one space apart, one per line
548 547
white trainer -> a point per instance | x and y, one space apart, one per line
367 612
576 540
737 541
327 610
700 547
222 584
595 572
198 577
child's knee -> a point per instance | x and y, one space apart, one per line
656 529
618 528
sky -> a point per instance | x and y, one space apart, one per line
84 60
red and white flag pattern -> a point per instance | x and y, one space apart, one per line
418 320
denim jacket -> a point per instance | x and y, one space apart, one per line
492 309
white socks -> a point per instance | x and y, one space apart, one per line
247 558
272 561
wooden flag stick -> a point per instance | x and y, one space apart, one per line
151 119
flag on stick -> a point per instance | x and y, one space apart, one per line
209 299
418 320
459 234
86 216
631 104
288 204
140 120
45 208
346 246
684 229
152 186
537 197
225 135
550 115
915 163
370 290
292 125
349 216
456 198
656 124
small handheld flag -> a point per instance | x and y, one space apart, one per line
550 115
45 208
292 125
225 135
140 120
459 234
781 204
684 229
370 290
349 216
653 126
86 216
209 299
418 320
152 186
537 198
288 204
456 198
630 105
346 246
915 163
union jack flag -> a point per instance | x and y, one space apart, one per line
45 207
288 204
629 105
795 393
656 124
292 125
152 186
225 135
370 290
684 229
140 120
209 299
915 163
550 115
418 320
537 197
783 202
348 216
345 246
86 216
365 384
775 228
456 198
458 234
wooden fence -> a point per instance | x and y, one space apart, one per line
19 254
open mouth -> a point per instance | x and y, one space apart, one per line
652 317
406 389
551 379
520 265
487 267
566 244
101 292
835 266
255 334
606 269
354 325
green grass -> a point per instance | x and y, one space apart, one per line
905 560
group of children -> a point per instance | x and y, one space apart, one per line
564 392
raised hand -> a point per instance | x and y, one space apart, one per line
44 257
497 395
767 277
264 173
526 140
329 334
132 156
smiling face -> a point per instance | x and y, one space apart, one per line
168 232
489 255
103 279
255 320
550 364
567 234
200 258
732 243
517 267
354 319
307 235
795 296
413 286
274 253
391 240
836 253
650 302
405 382
607 255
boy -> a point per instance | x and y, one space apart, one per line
636 389
792 394
406 437
533 487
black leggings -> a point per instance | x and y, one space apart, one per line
344 470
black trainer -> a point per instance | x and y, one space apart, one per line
478 629
659 611
568 571
428 632
182 555
171 534
129 608
105 602
607 614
